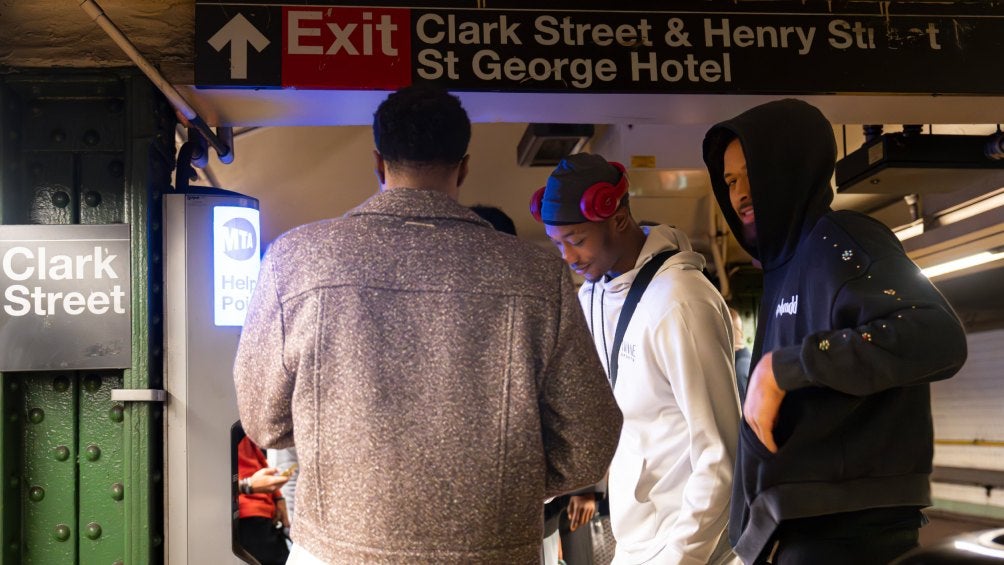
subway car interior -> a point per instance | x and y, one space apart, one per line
151 114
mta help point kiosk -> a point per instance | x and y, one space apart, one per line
212 252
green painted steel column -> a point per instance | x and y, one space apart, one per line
150 154
11 465
101 489
82 474
48 477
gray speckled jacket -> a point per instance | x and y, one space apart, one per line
436 376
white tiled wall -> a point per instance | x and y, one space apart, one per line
971 406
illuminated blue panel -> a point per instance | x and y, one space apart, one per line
236 260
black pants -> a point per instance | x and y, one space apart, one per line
870 537
263 541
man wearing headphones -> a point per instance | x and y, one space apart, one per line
664 335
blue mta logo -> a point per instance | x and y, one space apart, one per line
239 239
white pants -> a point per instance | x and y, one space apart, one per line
549 549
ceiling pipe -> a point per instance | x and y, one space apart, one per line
223 149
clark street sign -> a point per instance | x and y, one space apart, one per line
65 300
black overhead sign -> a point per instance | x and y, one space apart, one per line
750 47
65 302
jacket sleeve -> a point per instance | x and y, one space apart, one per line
264 386
580 420
894 329
693 345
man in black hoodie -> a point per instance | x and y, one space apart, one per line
835 451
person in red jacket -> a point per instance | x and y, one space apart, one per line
261 507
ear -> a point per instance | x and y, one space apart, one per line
463 169
621 220
379 169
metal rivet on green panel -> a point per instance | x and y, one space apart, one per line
101 515
49 503
11 401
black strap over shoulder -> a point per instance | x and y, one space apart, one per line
638 287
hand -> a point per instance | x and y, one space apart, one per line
581 508
281 513
267 480
763 401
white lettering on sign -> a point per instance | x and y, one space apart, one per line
343 36
688 69
579 72
845 35
35 300
296 31
759 36
347 38
22 263
551 31
430 30
566 49
58 267
230 282
235 239
432 68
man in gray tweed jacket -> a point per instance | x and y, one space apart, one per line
435 375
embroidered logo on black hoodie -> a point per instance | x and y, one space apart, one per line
789 307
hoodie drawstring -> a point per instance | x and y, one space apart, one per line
603 326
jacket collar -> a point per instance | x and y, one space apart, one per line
416 203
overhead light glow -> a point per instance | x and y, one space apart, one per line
978 549
963 263
971 210
910 230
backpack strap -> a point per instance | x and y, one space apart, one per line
638 287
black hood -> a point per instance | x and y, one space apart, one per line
790 153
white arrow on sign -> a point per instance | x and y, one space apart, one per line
239 32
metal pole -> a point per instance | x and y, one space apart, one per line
223 150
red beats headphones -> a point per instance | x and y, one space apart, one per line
598 202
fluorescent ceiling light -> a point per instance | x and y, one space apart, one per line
978 548
970 210
963 263
909 230
669 183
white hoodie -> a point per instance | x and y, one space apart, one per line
671 478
